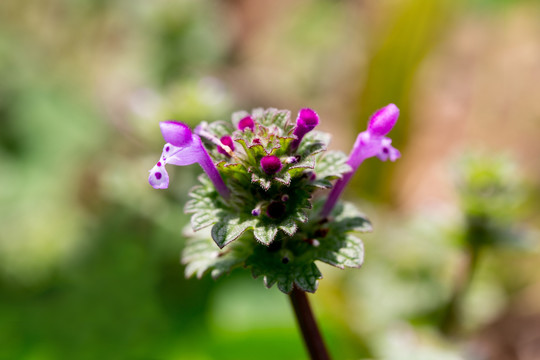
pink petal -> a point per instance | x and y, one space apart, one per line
383 120
176 133
159 178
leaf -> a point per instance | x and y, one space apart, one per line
313 143
347 218
322 183
201 255
278 118
333 164
341 250
269 264
303 164
283 178
308 277
204 218
219 128
289 227
230 227
266 233
282 146
203 206
264 182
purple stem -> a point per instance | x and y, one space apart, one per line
335 194
306 321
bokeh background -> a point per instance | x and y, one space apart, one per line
89 252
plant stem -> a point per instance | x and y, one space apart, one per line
451 322
310 331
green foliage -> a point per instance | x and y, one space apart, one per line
491 192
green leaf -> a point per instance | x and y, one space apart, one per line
264 182
201 255
289 227
270 265
204 218
331 165
308 277
203 206
347 218
230 227
322 183
283 178
282 146
219 128
341 250
266 233
278 118
313 143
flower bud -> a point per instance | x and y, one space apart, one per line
271 164
307 120
227 141
246 122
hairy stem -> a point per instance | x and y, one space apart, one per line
306 321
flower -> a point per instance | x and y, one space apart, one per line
369 143
307 120
183 148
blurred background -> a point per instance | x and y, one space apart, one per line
89 252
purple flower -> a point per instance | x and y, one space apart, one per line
271 164
246 122
306 121
183 148
227 141
369 143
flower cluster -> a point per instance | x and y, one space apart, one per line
262 170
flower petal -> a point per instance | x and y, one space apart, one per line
388 151
307 119
182 156
305 122
159 178
383 120
176 133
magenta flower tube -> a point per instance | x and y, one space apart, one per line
369 143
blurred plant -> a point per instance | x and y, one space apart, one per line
491 193
263 170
